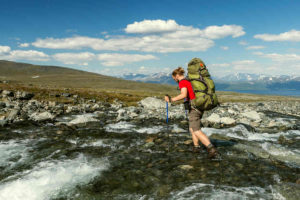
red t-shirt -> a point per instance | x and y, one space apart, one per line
188 85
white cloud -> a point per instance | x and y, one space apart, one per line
4 49
25 55
152 26
224 48
152 43
74 58
244 43
24 45
255 47
116 59
220 65
172 38
280 57
243 62
292 35
217 32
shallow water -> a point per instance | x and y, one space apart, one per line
112 160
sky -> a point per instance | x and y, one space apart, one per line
117 37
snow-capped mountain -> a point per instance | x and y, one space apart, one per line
233 82
161 77
245 77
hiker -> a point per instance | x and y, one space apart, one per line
194 114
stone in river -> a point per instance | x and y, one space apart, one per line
41 116
185 167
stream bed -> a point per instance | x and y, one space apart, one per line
144 159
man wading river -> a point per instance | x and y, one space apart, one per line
195 114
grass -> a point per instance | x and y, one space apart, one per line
53 80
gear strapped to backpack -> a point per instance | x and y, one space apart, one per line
203 85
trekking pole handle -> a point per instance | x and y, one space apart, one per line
170 99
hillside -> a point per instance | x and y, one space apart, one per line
48 81
61 77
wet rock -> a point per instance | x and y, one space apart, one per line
188 142
298 181
2 105
186 167
150 139
13 114
284 140
95 107
3 122
149 144
83 119
41 116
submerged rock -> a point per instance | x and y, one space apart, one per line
186 167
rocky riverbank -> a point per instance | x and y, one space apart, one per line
18 106
100 150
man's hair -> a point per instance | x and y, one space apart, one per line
179 71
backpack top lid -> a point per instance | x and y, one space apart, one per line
196 65
196 61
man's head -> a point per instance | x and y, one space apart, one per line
178 74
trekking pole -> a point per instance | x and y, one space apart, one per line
167 109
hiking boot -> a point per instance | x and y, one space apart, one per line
212 151
196 149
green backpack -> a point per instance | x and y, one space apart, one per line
203 85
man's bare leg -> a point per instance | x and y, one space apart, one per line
199 135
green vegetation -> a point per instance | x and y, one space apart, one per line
47 81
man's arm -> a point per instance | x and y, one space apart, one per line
182 95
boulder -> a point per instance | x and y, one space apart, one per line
41 116
152 103
13 114
80 119
252 115
214 118
227 121
7 93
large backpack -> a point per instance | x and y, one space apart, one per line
203 85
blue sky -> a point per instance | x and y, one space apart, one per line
116 37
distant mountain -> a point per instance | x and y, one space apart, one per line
245 77
162 77
232 82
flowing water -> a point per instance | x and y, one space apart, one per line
103 159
